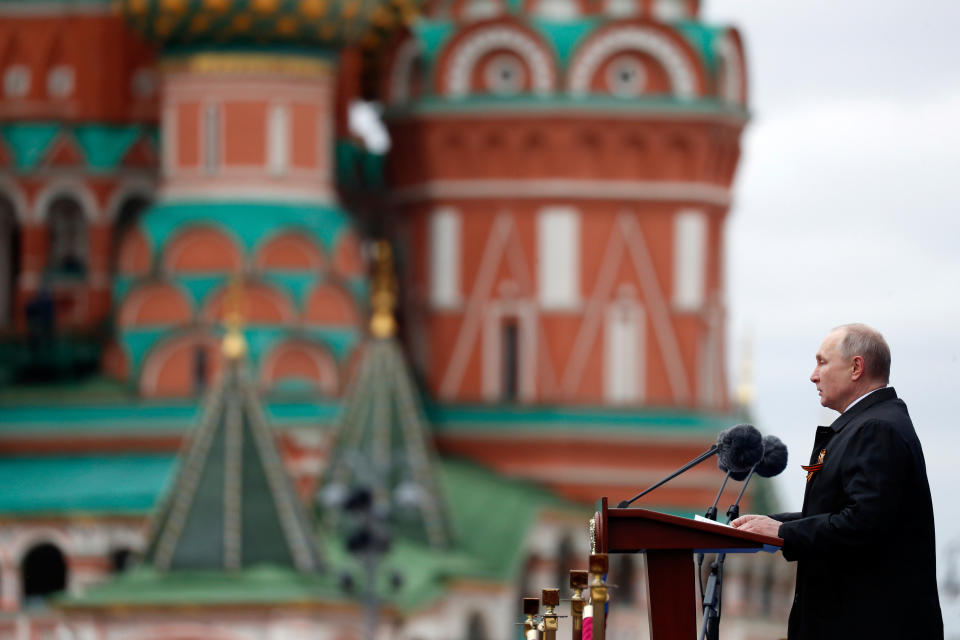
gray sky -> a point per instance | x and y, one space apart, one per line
847 209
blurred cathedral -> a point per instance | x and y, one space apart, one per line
258 379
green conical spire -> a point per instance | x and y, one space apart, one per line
232 505
383 441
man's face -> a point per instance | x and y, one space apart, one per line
832 375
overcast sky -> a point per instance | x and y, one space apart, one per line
847 209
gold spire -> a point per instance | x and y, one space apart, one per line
234 344
384 292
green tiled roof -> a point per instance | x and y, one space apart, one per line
36 414
483 103
82 484
492 514
232 505
382 428
261 585
499 419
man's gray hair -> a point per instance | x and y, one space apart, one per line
868 343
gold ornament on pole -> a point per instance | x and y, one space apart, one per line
384 292
234 345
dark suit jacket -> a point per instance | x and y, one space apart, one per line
864 541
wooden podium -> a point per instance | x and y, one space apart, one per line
670 542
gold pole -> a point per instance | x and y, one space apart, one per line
599 564
578 582
551 600
531 608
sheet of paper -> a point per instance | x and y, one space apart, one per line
700 518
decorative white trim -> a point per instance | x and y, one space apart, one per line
129 188
731 91
659 311
152 364
624 352
66 187
525 313
12 191
683 78
252 192
467 336
627 238
401 71
129 308
476 45
61 81
30 538
669 10
641 190
322 359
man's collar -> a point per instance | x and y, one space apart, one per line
872 398
850 406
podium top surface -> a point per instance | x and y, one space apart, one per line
634 530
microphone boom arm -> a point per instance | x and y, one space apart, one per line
703 456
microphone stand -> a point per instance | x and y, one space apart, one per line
703 456
713 596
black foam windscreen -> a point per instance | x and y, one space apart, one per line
774 459
739 448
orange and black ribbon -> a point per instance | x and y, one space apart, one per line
813 468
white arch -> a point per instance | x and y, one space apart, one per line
683 78
131 188
14 193
728 52
486 40
33 537
319 353
401 71
66 187
157 356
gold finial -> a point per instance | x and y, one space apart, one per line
384 295
234 344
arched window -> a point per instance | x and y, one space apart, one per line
476 627
44 572
68 237
127 218
9 261
121 560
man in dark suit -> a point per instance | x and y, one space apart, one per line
864 542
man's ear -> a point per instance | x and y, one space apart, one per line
856 368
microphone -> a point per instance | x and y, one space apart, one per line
744 453
773 462
734 449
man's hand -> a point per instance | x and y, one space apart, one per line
758 524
